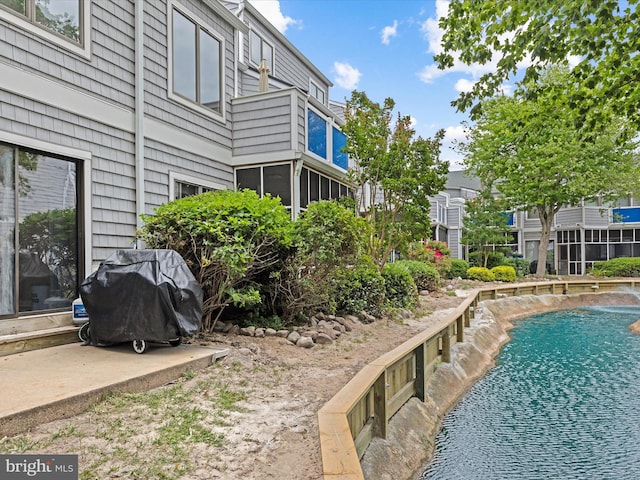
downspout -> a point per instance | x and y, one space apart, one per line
236 51
139 111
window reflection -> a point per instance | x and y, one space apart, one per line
48 234
61 16
44 192
184 56
7 226
196 63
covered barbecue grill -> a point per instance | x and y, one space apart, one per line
142 296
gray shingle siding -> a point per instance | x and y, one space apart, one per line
288 67
263 125
108 74
158 105
596 217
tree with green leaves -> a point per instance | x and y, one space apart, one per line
394 172
601 35
529 149
485 224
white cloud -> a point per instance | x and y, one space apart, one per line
433 35
388 32
270 9
453 134
464 85
506 89
347 76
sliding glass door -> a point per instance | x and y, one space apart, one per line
39 231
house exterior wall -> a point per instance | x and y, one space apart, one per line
580 235
79 103
290 68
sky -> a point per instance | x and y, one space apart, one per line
384 48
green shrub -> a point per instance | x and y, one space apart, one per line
458 268
424 276
360 289
231 241
476 259
504 273
618 267
520 265
495 259
329 236
400 289
480 273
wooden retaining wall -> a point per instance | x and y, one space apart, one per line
363 407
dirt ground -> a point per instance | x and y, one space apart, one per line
252 415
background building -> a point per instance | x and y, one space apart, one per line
580 235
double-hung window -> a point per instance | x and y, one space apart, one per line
63 22
197 63
317 92
260 50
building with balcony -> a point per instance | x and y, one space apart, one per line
112 108
580 235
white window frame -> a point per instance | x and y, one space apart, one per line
181 177
83 156
219 116
272 63
314 88
83 48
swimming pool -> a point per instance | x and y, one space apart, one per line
563 402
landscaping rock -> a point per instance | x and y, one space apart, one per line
259 333
282 333
270 332
248 331
305 342
293 337
323 339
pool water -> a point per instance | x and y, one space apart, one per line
563 402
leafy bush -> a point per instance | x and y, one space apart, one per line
476 259
495 259
329 236
424 276
520 265
400 289
360 289
458 268
439 247
618 267
231 241
480 273
504 273
431 251
330 233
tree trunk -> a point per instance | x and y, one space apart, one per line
546 219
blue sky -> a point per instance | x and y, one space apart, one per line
384 48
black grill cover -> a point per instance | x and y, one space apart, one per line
142 295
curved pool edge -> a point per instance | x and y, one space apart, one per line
407 450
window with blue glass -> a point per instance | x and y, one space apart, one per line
626 215
510 218
317 135
340 158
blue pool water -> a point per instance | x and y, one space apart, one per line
563 402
